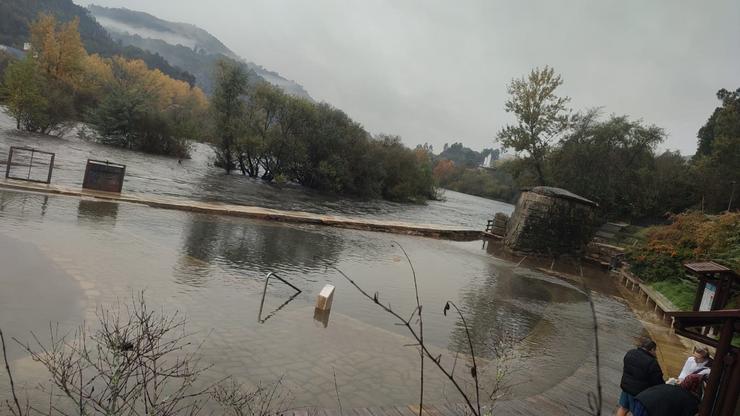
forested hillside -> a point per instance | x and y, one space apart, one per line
184 45
16 16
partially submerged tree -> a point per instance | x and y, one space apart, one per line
146 110
37 102
229 112
542 116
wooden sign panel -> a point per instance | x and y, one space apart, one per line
104 176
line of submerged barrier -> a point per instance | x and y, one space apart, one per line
260 213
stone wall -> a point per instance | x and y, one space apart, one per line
550 221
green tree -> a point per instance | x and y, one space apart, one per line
228 111
717 160
462 156
673 183
37 103
724 121
22 86
610 162
541 115
5 60
146 110
406 176
265 103
129 118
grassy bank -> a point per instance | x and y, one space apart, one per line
680 292
658 256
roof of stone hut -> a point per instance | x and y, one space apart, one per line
560 193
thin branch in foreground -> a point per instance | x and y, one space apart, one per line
416 336
474 368
336 389
594 400
421 326
10 377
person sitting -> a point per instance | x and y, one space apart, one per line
698 363
641 371
671 400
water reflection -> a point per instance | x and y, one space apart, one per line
212 269
97 213
30 205
321 316
256 246
494 315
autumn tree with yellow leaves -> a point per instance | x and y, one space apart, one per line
126 103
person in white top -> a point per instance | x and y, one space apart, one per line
698 363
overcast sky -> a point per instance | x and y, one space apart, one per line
436 70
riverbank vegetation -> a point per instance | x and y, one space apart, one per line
461 169
255 128
692 236
260 131
613 160
124 102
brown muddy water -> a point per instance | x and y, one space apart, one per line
64 258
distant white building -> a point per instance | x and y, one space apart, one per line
488 162
27 46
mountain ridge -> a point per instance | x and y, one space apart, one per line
183 44
16 16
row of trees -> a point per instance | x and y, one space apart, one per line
460 169
58 83
613 160
254 127
263 132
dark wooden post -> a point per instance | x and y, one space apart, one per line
51 168
733 389
10 159
712 397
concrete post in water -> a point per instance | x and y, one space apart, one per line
550 221
325 298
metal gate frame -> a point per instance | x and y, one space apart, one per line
30 165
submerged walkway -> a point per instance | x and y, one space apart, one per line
424 230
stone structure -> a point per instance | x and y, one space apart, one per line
499 224
550 221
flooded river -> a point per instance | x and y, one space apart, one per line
197 179
64 259
69 257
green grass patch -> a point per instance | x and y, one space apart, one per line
680 292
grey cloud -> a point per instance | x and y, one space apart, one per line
436 71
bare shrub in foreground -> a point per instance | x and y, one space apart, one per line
262 400
138 362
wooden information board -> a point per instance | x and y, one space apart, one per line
104 176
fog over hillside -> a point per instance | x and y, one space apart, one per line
118 28
182 44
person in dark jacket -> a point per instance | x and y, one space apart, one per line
671 400
641 371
